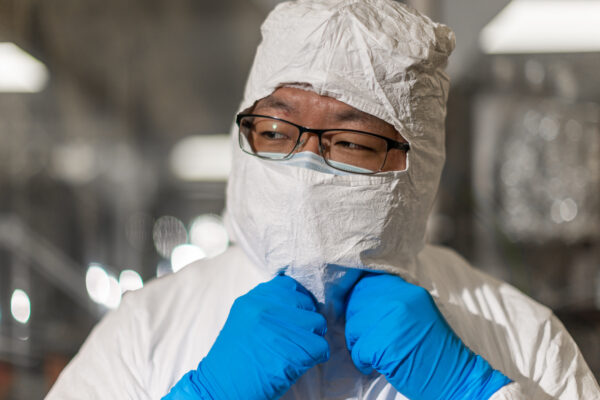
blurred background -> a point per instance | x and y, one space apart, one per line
114 156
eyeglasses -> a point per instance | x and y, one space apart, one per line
344 149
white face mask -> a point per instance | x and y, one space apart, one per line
318 227
310 160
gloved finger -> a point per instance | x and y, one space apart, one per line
310 321
302 346
290 283
364 291
364 300
372 283
359 325
302 299
295 284
285 296
285 290
372 291
361 357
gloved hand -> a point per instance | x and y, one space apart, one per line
395 328
272 336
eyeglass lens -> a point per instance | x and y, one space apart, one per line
275 139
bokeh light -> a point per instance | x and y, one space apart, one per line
202 158
568 210
208 232
168 232
97 283
130 280
114 293
74 163
20 306
185 254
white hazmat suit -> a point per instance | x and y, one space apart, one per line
387 60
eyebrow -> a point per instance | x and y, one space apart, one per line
353 115
275 103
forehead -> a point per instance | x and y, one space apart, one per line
294 102
297 98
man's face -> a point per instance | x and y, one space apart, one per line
311 110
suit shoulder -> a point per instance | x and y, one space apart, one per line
224 273
453 278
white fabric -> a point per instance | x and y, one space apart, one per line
382 58
310 160
163 330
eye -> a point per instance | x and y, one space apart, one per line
352 146
245 125
356 144
272 130
272 135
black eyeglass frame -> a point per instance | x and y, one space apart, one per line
391 143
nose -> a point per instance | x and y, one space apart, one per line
308 142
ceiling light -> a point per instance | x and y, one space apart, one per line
202 158
544 26
19 71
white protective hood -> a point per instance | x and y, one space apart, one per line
382 58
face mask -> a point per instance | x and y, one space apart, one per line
310 160
324 229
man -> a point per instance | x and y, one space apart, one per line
331 292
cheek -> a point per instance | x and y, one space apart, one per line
395 161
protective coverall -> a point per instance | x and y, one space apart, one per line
386 60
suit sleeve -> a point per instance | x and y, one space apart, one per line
112 363
566 374
559 371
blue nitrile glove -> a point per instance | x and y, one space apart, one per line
272 336
395 328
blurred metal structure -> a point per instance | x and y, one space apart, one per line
51 262
536 182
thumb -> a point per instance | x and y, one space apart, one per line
362 364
